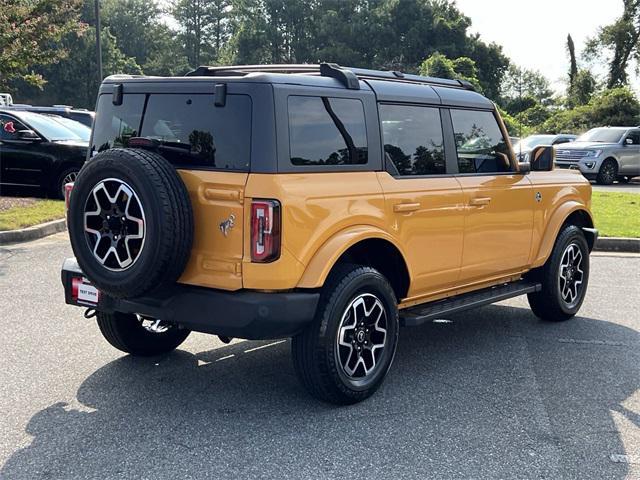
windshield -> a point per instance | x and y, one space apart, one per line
78 128
533 141
604 135
48 127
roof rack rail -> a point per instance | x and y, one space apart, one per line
346 75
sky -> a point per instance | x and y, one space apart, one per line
533 33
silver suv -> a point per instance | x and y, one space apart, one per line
603 154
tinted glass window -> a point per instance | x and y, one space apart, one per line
327 131
635 137
413 141
479 142
46 126
9 128
604 135
190 130
116 124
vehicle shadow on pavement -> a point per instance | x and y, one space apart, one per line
494 393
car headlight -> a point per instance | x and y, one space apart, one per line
593 153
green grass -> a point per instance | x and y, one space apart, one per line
39 212
616 214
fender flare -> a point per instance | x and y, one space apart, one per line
328 254
558 217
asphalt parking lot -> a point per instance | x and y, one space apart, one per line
493 394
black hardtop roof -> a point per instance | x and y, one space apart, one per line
387 85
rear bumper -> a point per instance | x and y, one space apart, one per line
241 314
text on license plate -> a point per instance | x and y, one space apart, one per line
84 292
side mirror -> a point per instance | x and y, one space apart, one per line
524 167
29 135
628 141
542 158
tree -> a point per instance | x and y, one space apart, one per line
380 34
573 68
437 65
141 33
491 64
582 88
30 33
534 115
72 80
621 40
462 68
616 106
203 28
519 82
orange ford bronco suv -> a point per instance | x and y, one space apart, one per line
331 205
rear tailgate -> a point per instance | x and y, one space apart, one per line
217 200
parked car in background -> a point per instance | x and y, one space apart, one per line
81 115
604 154
38 151
523 147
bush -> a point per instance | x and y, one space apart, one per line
534 116
514 127
616 106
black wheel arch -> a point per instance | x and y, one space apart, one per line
384 257
582 219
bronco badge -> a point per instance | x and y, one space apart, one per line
228 224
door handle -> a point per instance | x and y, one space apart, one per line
405 207
479 201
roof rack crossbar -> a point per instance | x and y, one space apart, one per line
346 75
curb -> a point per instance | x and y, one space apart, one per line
603 244
33 233
617 244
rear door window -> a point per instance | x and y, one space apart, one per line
480 145
189 130
413 140
327 131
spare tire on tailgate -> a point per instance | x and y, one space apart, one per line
130 222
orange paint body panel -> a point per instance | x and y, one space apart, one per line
455 233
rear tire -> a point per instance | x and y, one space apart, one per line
608 172
126 333
130 222
564 277
344 355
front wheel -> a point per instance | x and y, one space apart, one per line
608 172
138 336
564 277
344 355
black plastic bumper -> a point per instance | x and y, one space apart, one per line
241 314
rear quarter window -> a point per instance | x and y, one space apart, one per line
190 131
326 131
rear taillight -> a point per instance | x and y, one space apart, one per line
67 193
265 230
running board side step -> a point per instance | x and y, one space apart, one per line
414 316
